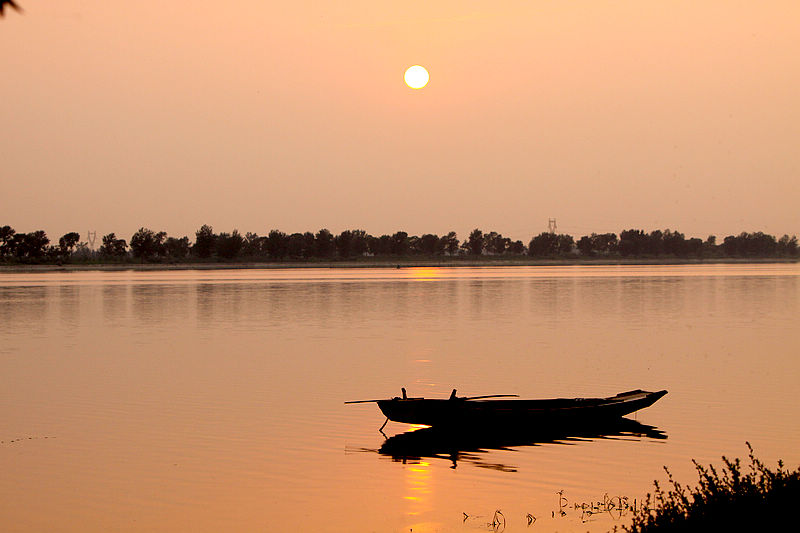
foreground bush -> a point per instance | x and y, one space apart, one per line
731 500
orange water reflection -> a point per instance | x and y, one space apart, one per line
317 275
423 273
420 496
209 401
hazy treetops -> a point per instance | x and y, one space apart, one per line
147 245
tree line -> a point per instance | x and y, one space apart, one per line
146 245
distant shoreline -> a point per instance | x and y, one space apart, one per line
384 263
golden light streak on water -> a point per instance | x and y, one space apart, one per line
420 498
419 488
423 273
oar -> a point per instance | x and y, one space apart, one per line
403 389
454 397
490 396
465 398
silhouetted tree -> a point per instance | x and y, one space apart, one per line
16 244
495 243
399 243
654 243
787 246
351 243
113 247
564 244
632 242
475 242
709 248
6 241
549 244
204 242
323 243
67 243
379 246
276 244
674 243
359 241
83 253
604 243
253 245
309 244
516 248
430 244
296 245
762 245
585 246
543 244
30 246
730 245
750 245
175 248
414 245
229 244
344 243
450 243
147 244
694 247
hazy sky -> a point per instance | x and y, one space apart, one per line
259 115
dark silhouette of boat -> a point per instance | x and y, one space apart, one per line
469 444
500 411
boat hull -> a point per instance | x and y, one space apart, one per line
460 411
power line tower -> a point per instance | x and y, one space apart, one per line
91 238
551 225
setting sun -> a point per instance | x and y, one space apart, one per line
416 77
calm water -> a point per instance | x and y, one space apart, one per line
213 400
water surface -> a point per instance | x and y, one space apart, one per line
213 400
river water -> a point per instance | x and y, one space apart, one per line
214 400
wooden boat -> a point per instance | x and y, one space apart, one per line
499 409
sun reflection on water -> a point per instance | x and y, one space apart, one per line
423 273
420 496
418 488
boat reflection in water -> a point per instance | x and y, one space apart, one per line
468 445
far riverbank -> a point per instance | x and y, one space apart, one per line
382 262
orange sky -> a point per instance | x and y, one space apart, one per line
293 115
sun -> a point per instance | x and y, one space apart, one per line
417 77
